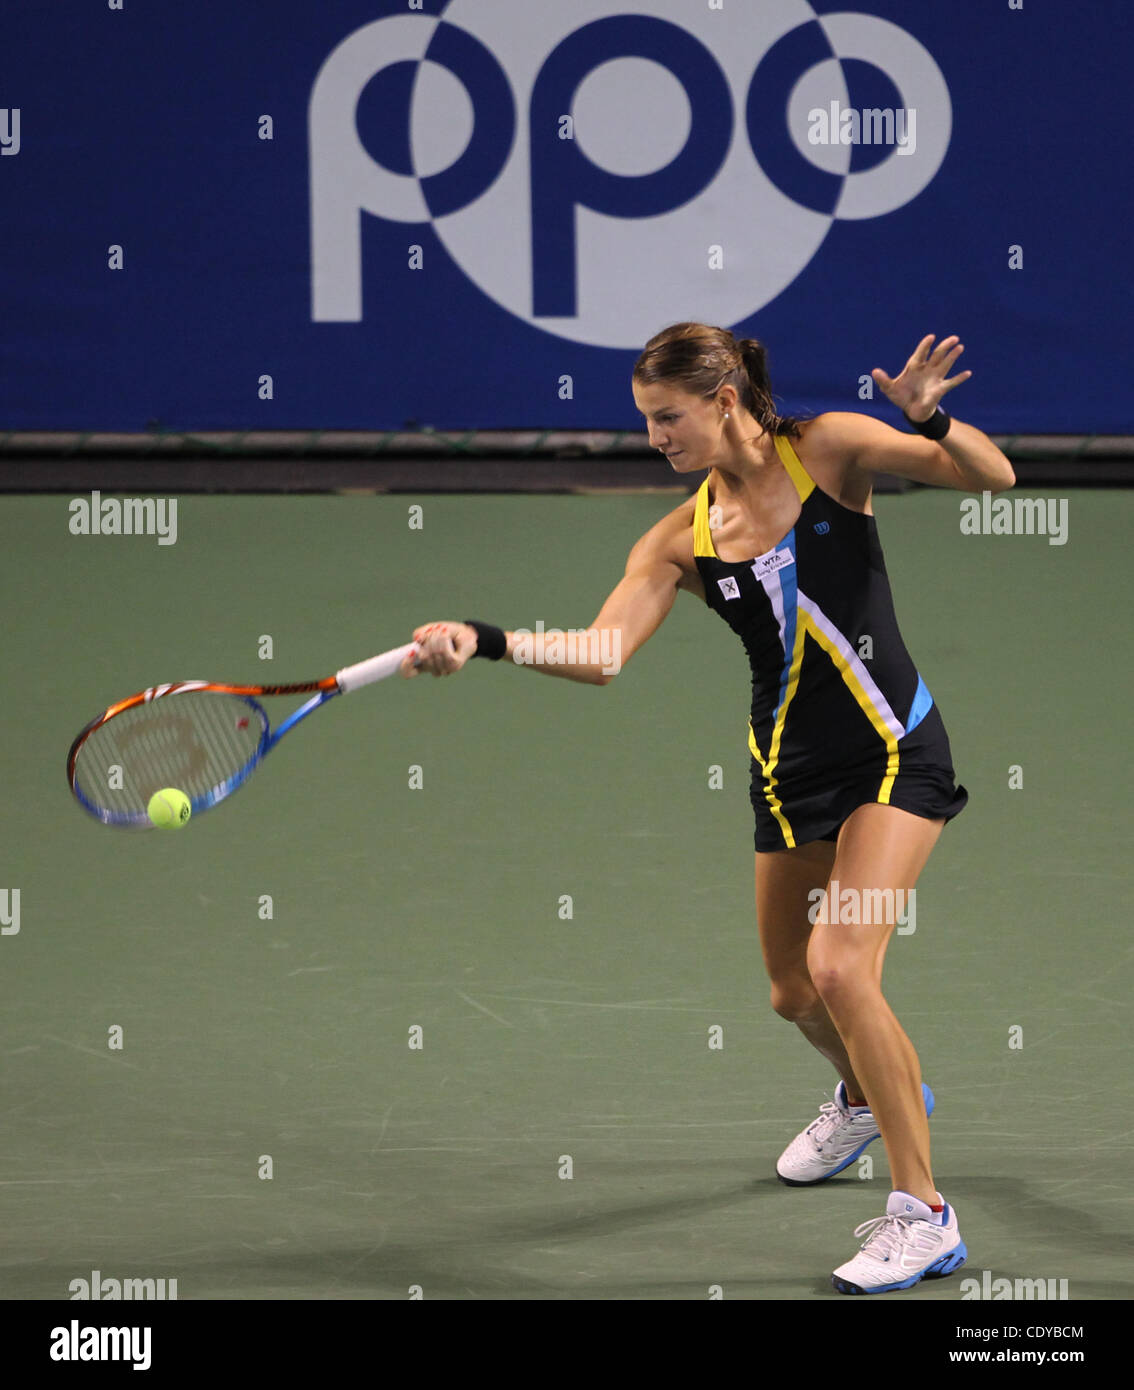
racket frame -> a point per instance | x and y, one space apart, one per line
348 679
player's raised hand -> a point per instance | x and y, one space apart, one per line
445 647
921 384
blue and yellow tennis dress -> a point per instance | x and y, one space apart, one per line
839 715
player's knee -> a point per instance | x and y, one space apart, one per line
830 982
794 999
840 978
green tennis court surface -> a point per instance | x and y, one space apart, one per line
545 1038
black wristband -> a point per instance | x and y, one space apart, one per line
490 641
936 427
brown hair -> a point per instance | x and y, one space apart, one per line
702 359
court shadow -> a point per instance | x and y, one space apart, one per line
491 1252
1022 1206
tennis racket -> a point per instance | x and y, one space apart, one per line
203 738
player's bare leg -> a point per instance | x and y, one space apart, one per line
786 881
879 847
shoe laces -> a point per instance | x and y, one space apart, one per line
830 1118
885 1234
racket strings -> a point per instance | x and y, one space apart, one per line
196 741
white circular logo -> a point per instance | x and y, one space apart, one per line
597 174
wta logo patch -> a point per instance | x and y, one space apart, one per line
769 564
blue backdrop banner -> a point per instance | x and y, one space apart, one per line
369 214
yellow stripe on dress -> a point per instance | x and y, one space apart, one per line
862 699
804 483
702 536
768 767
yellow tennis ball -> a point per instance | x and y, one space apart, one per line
169 809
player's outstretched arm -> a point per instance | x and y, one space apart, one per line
964 459
594 655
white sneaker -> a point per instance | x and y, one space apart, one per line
832 1142
901 1248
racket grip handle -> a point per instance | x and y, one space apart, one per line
377 668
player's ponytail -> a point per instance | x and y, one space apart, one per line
701 359
754 358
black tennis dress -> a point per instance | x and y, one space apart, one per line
840 716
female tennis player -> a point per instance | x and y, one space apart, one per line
852 777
